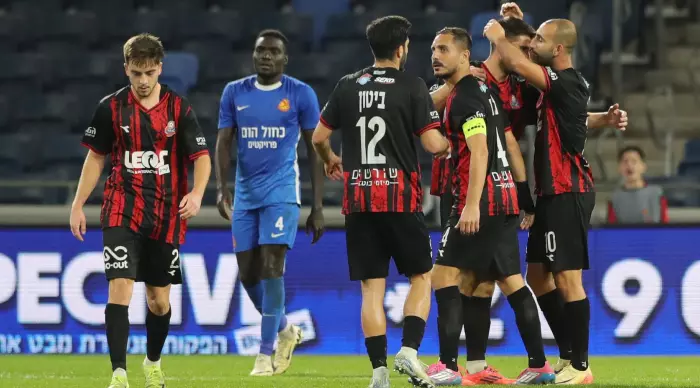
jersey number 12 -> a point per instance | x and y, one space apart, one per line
369 153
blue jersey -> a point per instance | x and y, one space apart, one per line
268 120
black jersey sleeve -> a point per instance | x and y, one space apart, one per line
99 136
529 110
190 133
330 115
562 83
425 117
468 112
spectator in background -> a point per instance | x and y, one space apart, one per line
636 202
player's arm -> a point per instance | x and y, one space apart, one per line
195 146
426 121
474 129
321 138
308 118
99 138
513 57
517 164
222 152
439 95
613 118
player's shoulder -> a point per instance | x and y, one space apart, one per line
654 190
471 86
296 84
106 101
241 84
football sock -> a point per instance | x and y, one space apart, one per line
476 315
272 311
256 292
528 320
476 366
117 328
156 332
413 330
449 324
579 315
376 350
552 306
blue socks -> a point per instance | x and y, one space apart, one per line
272 312
256 293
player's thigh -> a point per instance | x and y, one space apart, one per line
278 224
507 259
161 265
368 256
244 228
408 241
470 252
566 237
122 253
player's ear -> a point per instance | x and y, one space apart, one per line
286 59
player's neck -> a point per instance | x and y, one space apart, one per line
149 101
385 64
493 64
562 62
635 184
269 81
459 74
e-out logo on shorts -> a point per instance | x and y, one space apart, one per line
118 262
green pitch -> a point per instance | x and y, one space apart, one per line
310 371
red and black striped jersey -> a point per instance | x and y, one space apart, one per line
562 116
379 111
441 167
150 150
473 99
519 100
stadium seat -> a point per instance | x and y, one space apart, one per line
540 13
312 67
259 8
481 48
4 114
346 26
62 149
298 28
104 8
118 28
13 151
406 8
36 7
76 26
13 29
26 66
180 71
226 68
467 9
180 6
202 25
205 105
427 26
207 48
692 151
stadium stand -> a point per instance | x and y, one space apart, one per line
55 68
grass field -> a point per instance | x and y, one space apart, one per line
310 371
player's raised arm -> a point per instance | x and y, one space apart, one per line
222 157
308 118
427 122
195 146
98 137
514 59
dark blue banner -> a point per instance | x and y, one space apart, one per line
644 288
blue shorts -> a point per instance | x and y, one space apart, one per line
271 225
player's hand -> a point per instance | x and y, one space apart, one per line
478 72
189 206
315 224
512 10
494 31
527 221
77 222
617 117
224 202
334 168
469 220
446 153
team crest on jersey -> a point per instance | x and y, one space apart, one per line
364 79
514 103
284 106
483 87
170 129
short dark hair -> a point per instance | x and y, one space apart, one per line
515 27
631 148
144 49
459 34
386 34
271 33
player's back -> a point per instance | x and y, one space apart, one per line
380 110
268 120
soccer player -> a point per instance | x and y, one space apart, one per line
558 241
483 249
152 135
379 110
267 113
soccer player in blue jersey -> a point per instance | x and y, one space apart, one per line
267 113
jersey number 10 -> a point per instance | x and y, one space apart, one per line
369 153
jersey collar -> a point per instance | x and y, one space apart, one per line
267 88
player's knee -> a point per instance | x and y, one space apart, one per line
539 280
423 278
272 267
443 276
484 290
570 284
120 291
159 305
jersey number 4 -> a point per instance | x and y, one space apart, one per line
501 152
369 153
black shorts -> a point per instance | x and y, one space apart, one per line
446 202
492 253
374 238
559 236
131 255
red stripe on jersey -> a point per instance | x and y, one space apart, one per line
554 148
198 154
174 175
116 215
377 195
346 192
324 122
415 192
581 179
137 179
548 82
399 192
490 189
435 125
93 149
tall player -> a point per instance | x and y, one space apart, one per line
558 241
267 113
481 248
152 134
379 110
